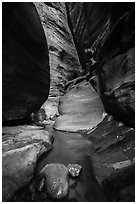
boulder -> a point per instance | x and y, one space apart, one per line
55 177
25 61
80 109
21 148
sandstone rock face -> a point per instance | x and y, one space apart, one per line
105 33
114 159
26 77
64 62
88 21
117 72
80 109
22 146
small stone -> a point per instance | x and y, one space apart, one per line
110 118
74 169
41 184
120 124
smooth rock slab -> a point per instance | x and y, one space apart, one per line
22 145
81 109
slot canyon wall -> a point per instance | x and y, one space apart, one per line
25 61
63 57
25 86
76 61
105 33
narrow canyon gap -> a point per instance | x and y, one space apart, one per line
68 109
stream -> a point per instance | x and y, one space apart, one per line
68 148
108 145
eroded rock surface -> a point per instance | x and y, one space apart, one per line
80 109
105 36
21 147
56 180
25 61
114 158
64 62
117 70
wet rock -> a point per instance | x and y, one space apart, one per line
72 148
74 169
21 148
56 178
25 61
114 157
80 108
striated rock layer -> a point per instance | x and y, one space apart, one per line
21 148
64 62
25 61
114 159
80 109
117 69
105 37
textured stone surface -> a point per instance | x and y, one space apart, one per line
51 108
81 109
21 147
105 36
64 62
88 21
56 180
114 158
74 169
117 73
25 61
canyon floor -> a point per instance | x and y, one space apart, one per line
105 153
68 101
